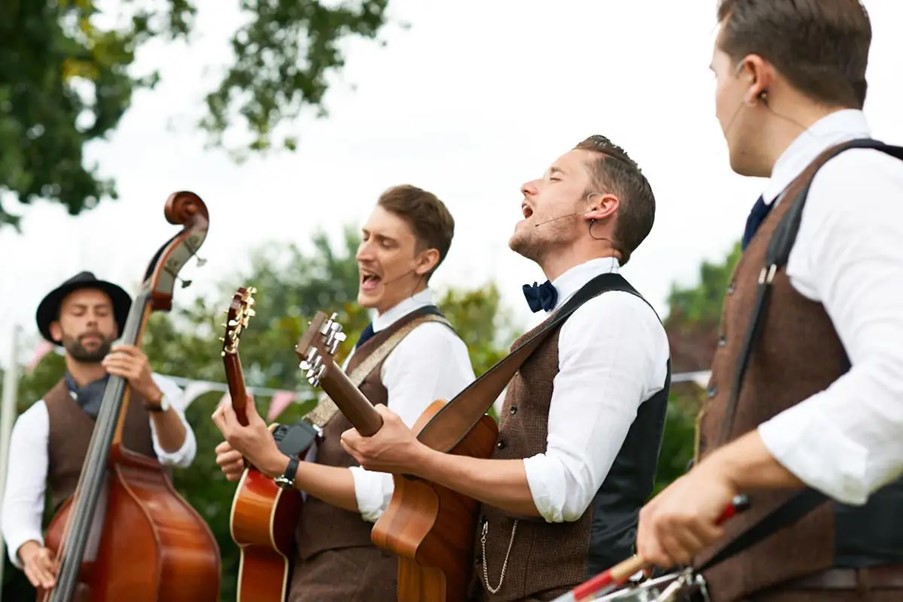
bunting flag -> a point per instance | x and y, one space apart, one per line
278 403
280 399
195 389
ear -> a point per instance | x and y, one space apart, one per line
56 333
758 74
602 206
428 260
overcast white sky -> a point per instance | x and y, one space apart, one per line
475 98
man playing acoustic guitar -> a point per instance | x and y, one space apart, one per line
406 237
582 422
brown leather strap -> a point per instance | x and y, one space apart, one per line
326 407
452 423
888 576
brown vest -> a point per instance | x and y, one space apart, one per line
548 559
324 526
797 354
70 434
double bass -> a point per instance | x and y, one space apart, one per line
126 534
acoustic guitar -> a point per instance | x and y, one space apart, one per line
264 515
430 528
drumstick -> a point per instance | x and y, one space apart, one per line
607 581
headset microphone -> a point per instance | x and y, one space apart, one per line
555 219
397 278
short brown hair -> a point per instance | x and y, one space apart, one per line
614 171
820 46
432 224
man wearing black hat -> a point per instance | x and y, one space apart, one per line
49 442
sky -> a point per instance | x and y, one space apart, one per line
474 98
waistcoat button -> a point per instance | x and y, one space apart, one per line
711 391
512 410
500 444
722 341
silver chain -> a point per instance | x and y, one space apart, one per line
494 590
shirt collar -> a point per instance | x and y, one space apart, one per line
573 280
412 303
834 128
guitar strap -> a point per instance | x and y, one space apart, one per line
326 407
452 423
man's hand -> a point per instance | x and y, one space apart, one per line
130 363
230 461
394 448
682 520
254 442
39 564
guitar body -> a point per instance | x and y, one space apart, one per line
263 521
168 548
431 528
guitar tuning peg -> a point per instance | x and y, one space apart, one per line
222 339
201 261
252 313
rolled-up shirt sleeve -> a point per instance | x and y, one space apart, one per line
847 441
23 497
430 363
184 456
612 355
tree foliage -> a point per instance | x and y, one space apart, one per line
692 327
67 79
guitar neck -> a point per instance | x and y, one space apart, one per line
352 403
236 381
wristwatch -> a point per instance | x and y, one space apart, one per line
162 407
287 479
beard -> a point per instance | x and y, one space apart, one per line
80 353
535 242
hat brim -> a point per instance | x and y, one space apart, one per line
49 308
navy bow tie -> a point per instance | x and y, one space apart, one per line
366 333
541 296
755 219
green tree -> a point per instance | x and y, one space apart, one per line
692 327
66 79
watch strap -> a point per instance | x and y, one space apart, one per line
287 479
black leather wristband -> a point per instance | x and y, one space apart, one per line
287 479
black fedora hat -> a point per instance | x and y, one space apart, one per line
49 308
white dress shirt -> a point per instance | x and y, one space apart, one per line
847 440
26 479
430 363
612 356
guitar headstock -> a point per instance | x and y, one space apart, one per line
240 312
317 345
